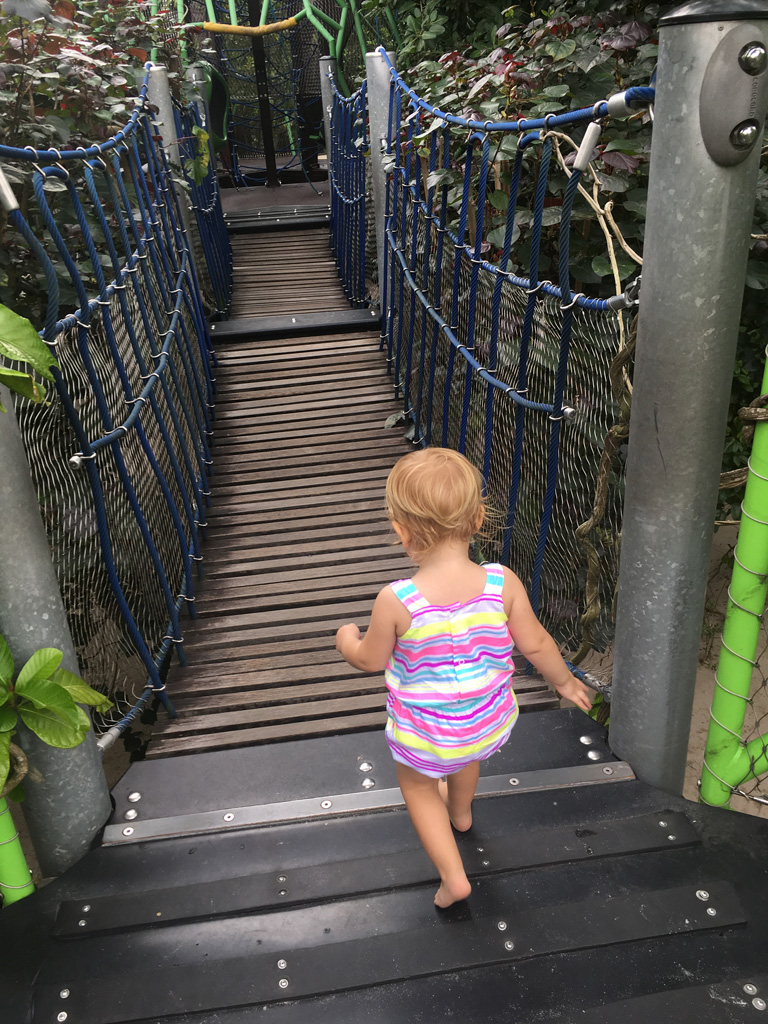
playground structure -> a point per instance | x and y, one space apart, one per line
485 360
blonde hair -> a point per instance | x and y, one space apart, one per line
436 494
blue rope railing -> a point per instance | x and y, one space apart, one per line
347 174
136 389
480 353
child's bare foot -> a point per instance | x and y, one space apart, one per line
450 893
462 823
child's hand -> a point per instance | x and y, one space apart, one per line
348 632
576 691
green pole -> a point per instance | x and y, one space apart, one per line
396 37
264 12
232 12
728 760
14 873
181 14
358 29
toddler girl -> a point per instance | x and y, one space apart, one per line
445 638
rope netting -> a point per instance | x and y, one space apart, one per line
349 181
525 376
121 460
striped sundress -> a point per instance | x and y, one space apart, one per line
450 700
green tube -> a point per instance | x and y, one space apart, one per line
397 38
180 13
232 12
728 761
311 14
329 21
358 29
264 12
14 873
210 10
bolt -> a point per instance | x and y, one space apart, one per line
133 798
64 994
502 926
594 755
325 804
61 1016
586 740
752 58
486 863
282 878
128 831
282 964
702 894
711 911
283 983
481 849
607 770
751 990
368 783
365 766
514 782
744 135
82 924
671 838
282 892
86 908
229 816
663 824
758 1003
509 944
131 814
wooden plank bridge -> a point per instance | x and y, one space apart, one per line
267 870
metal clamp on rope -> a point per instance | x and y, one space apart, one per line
629 297
78 459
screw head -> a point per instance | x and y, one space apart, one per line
131 814
514 782
282 964
64 994
711 911
509 944
751 990
671 838
486 863
86 908
594 755
282 878
325 804
481 849
758 1003
365 766
586 740
702 894
502 926
753 58
229 816
607 770
128 831
61 1016
663 824
368 783
133 798
283 983
82 924
282 892
744 135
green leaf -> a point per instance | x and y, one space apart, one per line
5 757
22 384
558 91
602 267
54 730
6 661
79 690
560 48
757 275
499 200
496 237
20 342
7 719
40 666
17 795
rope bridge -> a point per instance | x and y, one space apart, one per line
121 461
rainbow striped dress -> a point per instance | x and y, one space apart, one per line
450 700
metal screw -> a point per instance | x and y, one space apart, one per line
283 983
758 1003
711 911
514 782
586 740
752 58
486 863
229 816
365 766
282 964
502 926
481 849
82 924
744 135
133 798
368 783
607 770
61 1016
282 878
64 994
594 755
131 814
663 824
325 804
128 831
751 990
509 944
282 892
702 894
86 908
671 838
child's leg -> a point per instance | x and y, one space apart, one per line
433 827
458 793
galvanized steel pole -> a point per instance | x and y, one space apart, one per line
711 96
327 67
67 800
379 82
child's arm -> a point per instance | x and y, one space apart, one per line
371 653
533 641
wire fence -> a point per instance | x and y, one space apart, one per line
121 461
525 376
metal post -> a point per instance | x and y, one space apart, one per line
379 81
709 111
68 801
327 66
159 95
